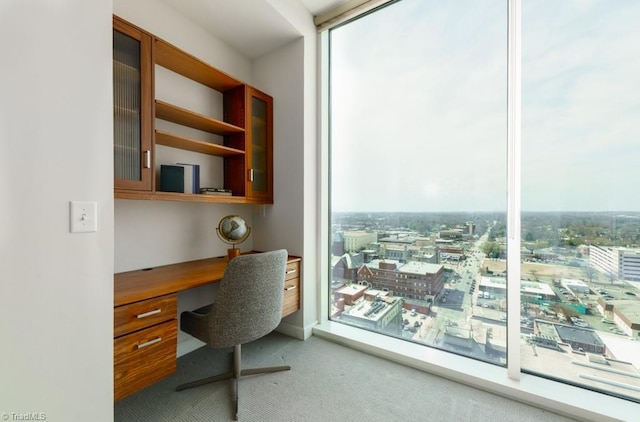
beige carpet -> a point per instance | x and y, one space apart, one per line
328 382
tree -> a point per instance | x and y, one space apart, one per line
589 273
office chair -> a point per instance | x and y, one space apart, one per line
247 307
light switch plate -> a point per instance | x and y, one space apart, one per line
83 216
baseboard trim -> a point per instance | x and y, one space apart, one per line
296 331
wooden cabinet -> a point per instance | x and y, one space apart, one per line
132 113
144 345
252 174
246 130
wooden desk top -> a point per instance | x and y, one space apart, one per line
133 286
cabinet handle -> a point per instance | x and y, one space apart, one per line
150 342
147 159
290 271
286 289
251 175
146 314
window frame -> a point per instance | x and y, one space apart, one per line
508 381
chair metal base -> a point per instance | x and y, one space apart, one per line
235 375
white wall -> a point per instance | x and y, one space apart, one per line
56 288
289 74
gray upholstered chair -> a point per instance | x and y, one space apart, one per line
248 306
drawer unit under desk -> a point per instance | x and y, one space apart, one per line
145 341
144 357
138 315
291 300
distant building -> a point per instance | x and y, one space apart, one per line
345 267
450 252
337 245
576 286
471 228
355 241
530 291
413 280
621 263
350 294
396 252
427 254
549 334
374 310
624 313
453 234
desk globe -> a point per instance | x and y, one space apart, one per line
232 229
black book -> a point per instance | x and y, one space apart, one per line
171 178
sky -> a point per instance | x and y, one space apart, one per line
419 107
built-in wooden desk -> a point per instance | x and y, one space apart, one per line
145 326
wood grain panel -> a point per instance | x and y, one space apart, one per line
133 286
172 58
291 299
139 315
136 365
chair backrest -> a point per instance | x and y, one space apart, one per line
249 300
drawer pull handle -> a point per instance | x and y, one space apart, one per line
150 342
146 314
290 271
286 289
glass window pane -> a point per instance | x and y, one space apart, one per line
580 178
259 147
418 174
126 107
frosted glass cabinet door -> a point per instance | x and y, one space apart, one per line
131 107
260 155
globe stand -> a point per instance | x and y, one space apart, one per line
232 253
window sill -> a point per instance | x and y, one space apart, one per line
573 402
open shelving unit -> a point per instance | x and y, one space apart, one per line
245 135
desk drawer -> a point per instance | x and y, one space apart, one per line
144 357
291 299
139 315
293 270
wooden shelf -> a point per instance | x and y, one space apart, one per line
183 197
175 141
181 116
193 68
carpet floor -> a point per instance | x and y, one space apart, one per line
327 382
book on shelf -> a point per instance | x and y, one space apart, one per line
191 177
216 191
171 178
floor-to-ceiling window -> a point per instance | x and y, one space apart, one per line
419 195
580 178
418 174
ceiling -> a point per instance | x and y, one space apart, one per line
252 27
